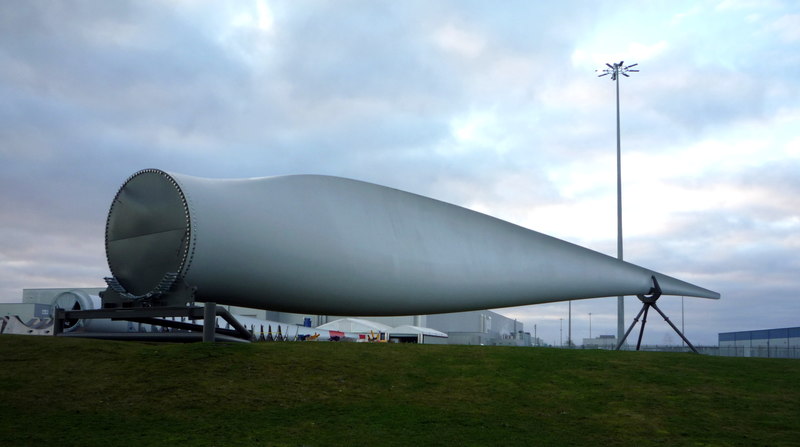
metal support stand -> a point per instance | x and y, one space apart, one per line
158 316
648 302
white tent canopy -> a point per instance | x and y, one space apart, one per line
407 329
357 325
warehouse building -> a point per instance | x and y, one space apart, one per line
776 343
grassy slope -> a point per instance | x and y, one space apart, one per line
89 392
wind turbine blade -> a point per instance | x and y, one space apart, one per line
334 246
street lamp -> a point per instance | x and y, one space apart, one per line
569 327
590 325
615 70
561 332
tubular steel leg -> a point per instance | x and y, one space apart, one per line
635 320
58 322
644 321
209 322
674 328
243 332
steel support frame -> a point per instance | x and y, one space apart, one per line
649 301
157 315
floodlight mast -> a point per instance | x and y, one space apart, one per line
615 70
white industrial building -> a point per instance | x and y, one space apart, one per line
480 327
601 342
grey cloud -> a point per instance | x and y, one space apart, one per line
708 99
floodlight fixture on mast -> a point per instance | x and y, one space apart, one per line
615 70
618 69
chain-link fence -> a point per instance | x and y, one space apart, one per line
760 351
727 351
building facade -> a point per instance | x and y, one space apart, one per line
779 343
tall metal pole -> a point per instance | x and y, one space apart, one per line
590 325
620 299
615 71
569 327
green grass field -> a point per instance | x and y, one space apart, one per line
61 391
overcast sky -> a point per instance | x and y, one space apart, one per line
494 106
